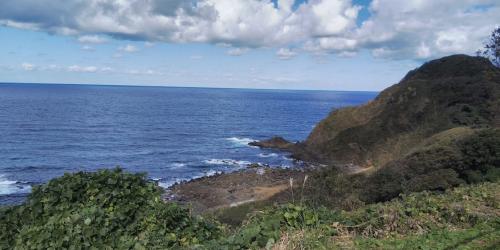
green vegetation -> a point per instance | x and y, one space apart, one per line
110 209
442 94
104 210
463 218
448 159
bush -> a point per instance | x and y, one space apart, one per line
331 188
106 209
440 166
425 215
445 161
482 152
264 228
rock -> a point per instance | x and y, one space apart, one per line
273 143
254 165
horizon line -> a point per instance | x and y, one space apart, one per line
175 86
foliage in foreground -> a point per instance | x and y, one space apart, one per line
104 210
115 210
463 218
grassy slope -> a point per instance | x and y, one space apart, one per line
445 160
442 94
464 218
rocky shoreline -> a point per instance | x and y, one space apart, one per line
255 183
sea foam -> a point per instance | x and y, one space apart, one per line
178 165
263 155
170 183
240 141
12 187
227 162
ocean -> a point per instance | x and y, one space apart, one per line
172 134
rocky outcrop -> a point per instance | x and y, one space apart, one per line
273 143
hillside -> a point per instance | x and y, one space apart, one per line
450 92
111 209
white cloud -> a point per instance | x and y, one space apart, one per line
93 39
347 54
332 45
423 51
19 25
237 51
32 67
395 28
285 53
148 72
128 48
88 48
107 69
28 66
82 69
149 44
254 23
52 67
425 28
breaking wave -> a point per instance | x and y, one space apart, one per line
240 141
12 187
227 162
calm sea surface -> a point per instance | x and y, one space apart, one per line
173 134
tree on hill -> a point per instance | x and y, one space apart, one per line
492 47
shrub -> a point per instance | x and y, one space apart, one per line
440 166
106 209
264 228
482 152
413 216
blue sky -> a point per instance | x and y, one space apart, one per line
318 44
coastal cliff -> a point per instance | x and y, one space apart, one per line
450 92
438 128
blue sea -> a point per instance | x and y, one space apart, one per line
172 134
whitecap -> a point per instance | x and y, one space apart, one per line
12 187
227 162
170 183
178 165
212 172
263 155
240 141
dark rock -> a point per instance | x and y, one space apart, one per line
273 143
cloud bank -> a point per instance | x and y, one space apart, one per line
416 29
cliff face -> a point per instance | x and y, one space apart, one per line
454 91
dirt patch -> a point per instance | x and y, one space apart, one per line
233 189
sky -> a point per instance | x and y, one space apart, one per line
364 45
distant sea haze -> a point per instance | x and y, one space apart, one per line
173 134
